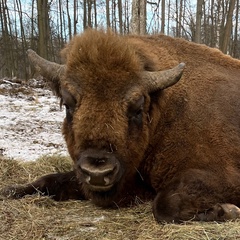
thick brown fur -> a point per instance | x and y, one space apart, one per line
186 149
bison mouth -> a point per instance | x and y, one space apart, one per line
100 173
103 197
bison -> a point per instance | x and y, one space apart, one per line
133 130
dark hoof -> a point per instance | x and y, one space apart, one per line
12 192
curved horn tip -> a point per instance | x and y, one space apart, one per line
30 51
181 65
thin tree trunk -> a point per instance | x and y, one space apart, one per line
198 21
107 13
177 34
234 50
168 25
212 28
69 21
114 24
6 35
42 7
120 16
23 41
180 18
228 27
75 6
89 7
163 17
126 14
95 13
138 22
84 14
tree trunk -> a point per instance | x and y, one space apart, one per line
8 59
138 22
107 14
89 8
198 21
95 13
163 17
234 50
75 19
43 23
23 41
120 16
84 14
212 35
228 27
69 21
168 24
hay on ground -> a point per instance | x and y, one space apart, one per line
37 217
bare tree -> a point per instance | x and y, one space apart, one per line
75 16
8 59
43 27
138 21
163 17
228 27
89 10
69 21
107 14
23 38
120 14
234 52
198 21
61 41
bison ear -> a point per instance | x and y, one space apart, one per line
160 80
49 70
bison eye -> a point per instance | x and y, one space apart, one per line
69 102
69 112
135 112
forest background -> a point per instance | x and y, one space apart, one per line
46 25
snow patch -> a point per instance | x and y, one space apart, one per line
30 125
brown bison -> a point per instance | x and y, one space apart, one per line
133 131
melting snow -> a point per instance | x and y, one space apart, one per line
30 125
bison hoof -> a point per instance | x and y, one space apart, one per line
12 192
221 212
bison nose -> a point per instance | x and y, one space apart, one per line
100 173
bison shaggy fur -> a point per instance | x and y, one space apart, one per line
131 135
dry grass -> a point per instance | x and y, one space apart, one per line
36 217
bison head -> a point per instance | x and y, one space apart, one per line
107 95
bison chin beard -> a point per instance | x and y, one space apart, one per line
109 198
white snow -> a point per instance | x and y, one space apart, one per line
30 125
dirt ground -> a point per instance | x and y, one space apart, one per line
31 145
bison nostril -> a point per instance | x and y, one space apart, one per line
100 161
99 176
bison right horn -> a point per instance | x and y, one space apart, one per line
159 80
50 70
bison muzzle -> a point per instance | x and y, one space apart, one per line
99 170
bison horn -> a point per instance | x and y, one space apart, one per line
162 79
47 69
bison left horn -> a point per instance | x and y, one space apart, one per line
159 80
50 70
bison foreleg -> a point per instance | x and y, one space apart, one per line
196 195
60 186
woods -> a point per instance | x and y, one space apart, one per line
46 26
